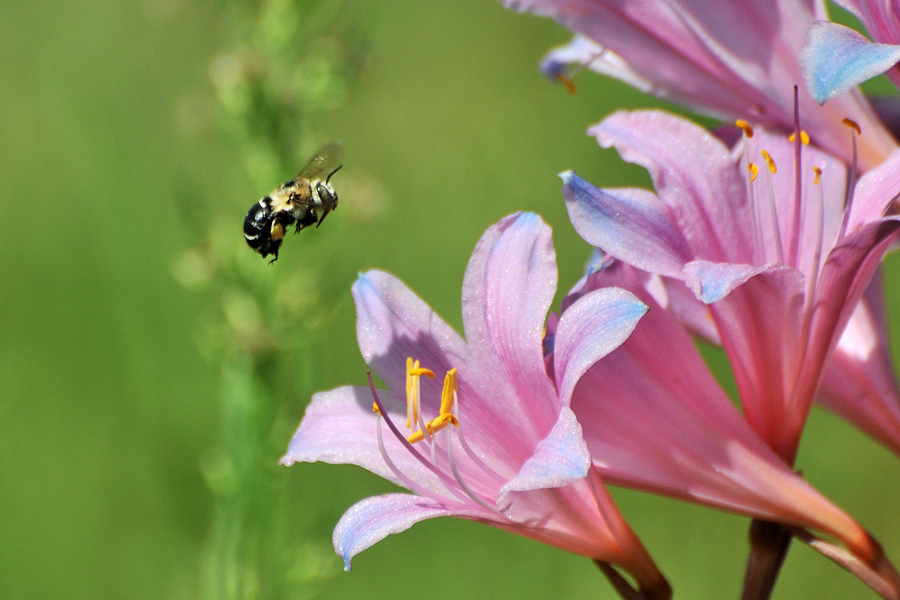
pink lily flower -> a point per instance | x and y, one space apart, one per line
836 58
859 383
497 443
727 58
780 255
655 419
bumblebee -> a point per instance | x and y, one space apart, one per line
297 202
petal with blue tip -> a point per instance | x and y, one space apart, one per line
836 59
590 329
630 224
371 520
558 460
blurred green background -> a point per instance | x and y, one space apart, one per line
121 342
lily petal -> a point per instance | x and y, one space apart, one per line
507 291
371 520
715 230
558 460
632 225
836 59
711 282
339 428
859 383
875 192
590 329
846 275
759 333
392 324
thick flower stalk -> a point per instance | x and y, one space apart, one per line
727 58
767 236
495 441
836 58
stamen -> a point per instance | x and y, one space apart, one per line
769 161
754 171
818 173
748 130
854 173
468 450
446 416
804 137
478 499
852 125
773 210
413 374
447 481
567 82
794 241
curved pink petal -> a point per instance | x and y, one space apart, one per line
673 149
339 427
711 282
590 329
836 59
728 59
371 520
760 328
875 192
691 312
844 278
632 225
859 382
392 324
507 291
670 44
558 460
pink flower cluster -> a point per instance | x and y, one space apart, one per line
769 247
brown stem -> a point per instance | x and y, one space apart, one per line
660 591
769 543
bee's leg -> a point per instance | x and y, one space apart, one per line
324 214
305 221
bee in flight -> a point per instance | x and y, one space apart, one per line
296 202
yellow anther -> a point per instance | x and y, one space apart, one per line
413 373
748 130
754 171
375 409
769 161
567 82
448 396
852 125
818 173
446 417
804 138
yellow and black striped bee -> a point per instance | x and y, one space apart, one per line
296 202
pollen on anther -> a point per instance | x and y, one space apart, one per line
804 138
567 82
754 171
769 161
818 173
745 126
375 409
852 125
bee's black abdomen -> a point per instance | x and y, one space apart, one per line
258 228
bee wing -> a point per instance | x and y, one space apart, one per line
324 163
